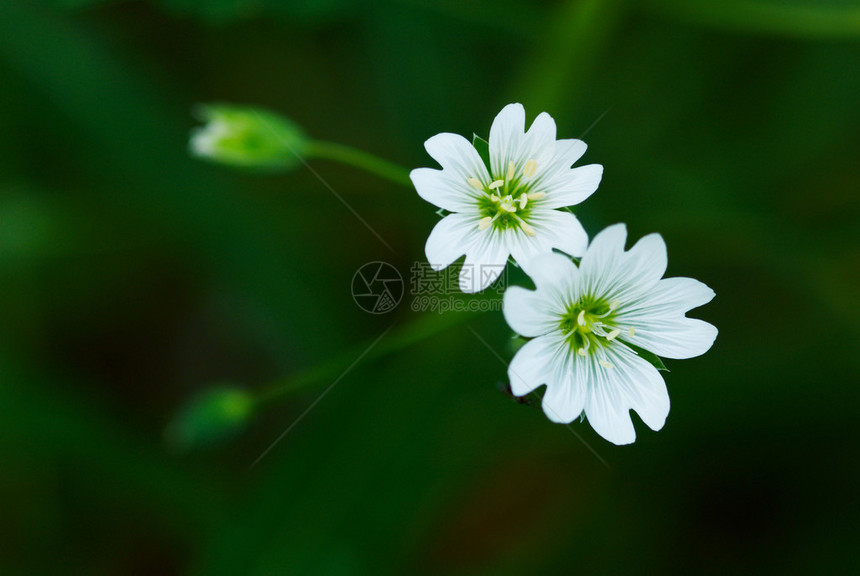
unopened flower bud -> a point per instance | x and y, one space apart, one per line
247 137
210 418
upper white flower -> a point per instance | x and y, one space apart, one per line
583 321
510 209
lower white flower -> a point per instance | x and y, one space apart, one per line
585 323
509 208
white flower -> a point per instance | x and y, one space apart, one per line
510 210
582 320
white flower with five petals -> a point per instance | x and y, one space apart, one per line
586 323
510 208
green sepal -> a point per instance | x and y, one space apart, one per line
515 343
649 357
483 148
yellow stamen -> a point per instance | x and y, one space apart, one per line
496 184
613 335
614 304
511 169
632 331
475 183
580 319
605 364
523 200
485 223
527 229
581 351
536 195
494 198
530 168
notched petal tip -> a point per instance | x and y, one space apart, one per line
519 387
618 429
448 241
543 128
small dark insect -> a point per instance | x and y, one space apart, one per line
529 399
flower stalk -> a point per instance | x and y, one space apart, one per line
321 150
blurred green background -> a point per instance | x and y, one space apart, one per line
133 277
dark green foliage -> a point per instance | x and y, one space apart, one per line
133 277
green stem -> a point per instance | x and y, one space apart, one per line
427 326
358 159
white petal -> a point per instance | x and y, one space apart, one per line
679 339
529 313
451 238
646 262
553 273
445 189
539 142
678 296
565 395
562 229
570 186
602 261
642 386
485 261
506 135
660 326
567 152
553 229
457 155
631 382
628 277
532 365
606 408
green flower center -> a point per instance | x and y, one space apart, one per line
507 201
589 325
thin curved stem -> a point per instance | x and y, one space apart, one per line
427 326
358 159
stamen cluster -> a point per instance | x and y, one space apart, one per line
505 201
589 325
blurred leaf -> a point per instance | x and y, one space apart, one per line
244 244
372 468
86 454
226 10
797 18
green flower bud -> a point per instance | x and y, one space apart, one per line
247 137
210 418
